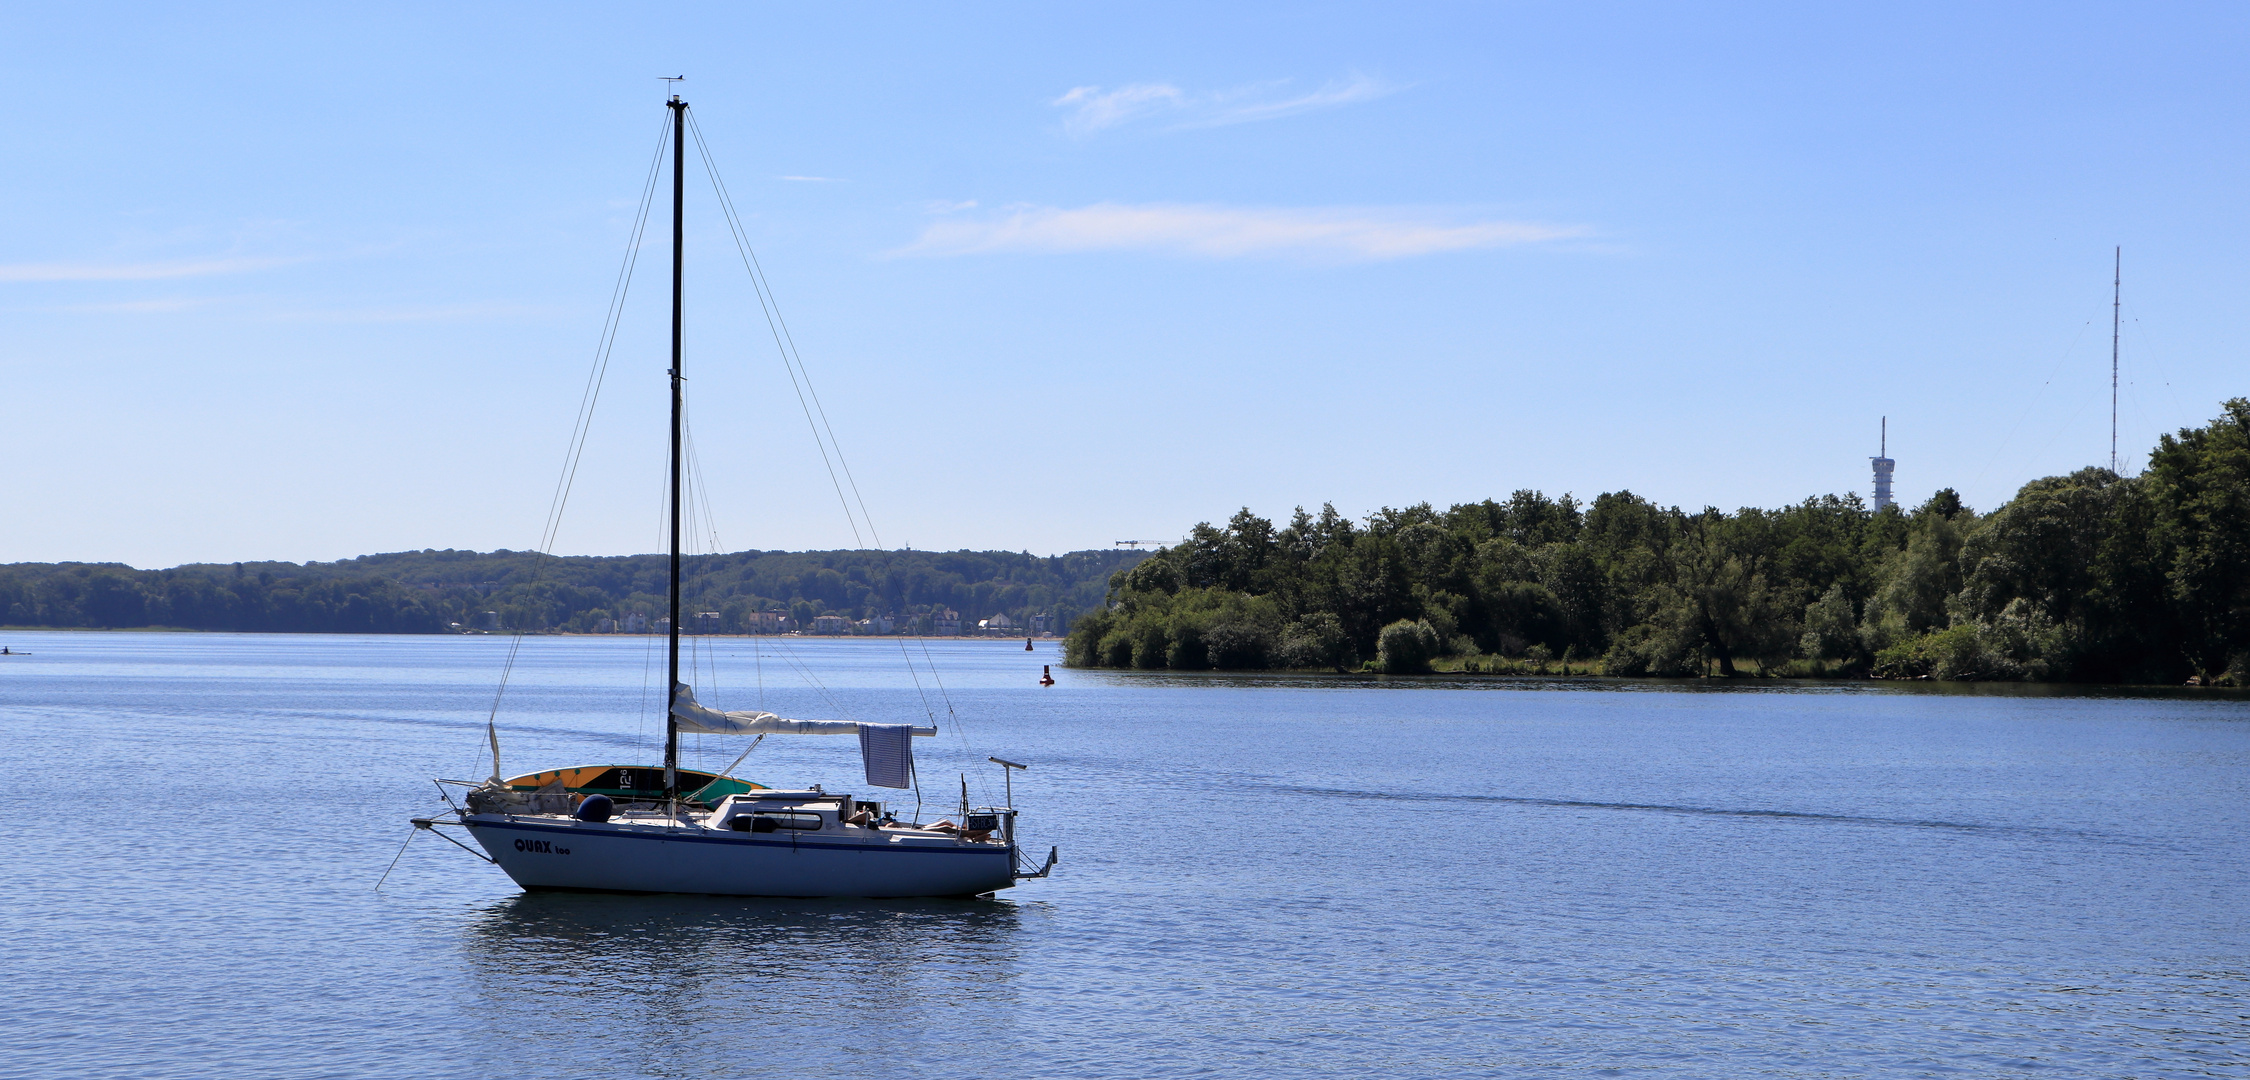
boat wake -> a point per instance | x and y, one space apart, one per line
1663 808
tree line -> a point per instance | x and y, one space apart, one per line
2091 577
432 591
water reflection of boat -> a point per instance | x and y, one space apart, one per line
703 984
651 829
649 934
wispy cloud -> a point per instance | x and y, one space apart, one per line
164 305
1093 108
258 308
1221 232
137 271
468 312
1249 106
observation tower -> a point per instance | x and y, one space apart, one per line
1883 465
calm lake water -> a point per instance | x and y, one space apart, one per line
1260 877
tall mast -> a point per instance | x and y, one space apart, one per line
2116 297
672 666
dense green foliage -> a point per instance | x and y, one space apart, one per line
2090 577
427 591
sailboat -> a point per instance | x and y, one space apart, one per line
665 829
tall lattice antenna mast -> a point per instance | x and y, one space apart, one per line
2116 297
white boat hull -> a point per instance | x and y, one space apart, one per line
560 853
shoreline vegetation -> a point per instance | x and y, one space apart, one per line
2090 578
832 593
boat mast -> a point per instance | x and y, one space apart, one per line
672 682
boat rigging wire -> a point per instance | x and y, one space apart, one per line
395 858
793 363
700 502
702 525
594 380
800 379
783 341
432 825
705 526
583 425
2032 402
809 403
699 494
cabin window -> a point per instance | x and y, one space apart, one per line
772 822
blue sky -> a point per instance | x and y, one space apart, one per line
296 284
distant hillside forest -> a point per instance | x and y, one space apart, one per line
2090 577
426 592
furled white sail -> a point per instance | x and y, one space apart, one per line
703 720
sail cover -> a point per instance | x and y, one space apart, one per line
888 751
703 720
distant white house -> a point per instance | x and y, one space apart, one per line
878 624
945 621
998 624
831 624
770 622
636 623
